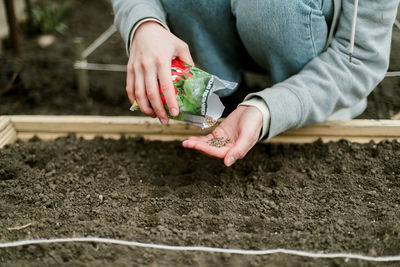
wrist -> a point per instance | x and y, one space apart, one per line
148 24
145 23
261 106
256 112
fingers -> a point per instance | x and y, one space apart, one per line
204 147
184 54
200 138
140 93
167 88
153 95
130 83
242 145
201 143
148 77
152 49
146 88
230 153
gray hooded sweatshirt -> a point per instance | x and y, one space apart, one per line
334 85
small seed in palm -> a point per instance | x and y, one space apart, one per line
219 141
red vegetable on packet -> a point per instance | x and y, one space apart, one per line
197 95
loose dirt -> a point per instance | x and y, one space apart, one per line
335 197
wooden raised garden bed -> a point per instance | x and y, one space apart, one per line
51 127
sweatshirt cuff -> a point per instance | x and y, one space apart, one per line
259 103
286 109
135 15
137 25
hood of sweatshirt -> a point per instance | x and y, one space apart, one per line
353 30
336 13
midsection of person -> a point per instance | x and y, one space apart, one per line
324 57
279 36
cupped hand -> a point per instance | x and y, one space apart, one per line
149 65
241 129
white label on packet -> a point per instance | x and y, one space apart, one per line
214 111
204 102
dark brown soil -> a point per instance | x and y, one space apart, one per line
45 84
335 197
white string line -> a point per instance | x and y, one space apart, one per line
99 41
397 23
122 68
101 67
393 74
200 249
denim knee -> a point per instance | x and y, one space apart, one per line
282 35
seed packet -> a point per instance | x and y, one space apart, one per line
197 95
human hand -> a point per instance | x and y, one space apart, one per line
241 129
149 66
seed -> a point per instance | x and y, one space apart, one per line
210 121
219 141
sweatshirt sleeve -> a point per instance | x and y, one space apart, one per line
330 82
129 13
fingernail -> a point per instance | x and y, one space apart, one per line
174 112
163 121
231 160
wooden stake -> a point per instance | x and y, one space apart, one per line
81 74
13 28
28 7
8 135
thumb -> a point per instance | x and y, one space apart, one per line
184 54
239 150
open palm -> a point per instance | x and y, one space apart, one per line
241 129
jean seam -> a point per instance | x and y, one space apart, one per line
311 33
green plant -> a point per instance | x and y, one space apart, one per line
47 16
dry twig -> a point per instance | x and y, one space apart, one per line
16 228
10 83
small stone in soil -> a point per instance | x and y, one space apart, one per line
219 141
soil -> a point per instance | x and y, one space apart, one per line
45 81
335 197
45 84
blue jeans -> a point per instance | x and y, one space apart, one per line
278 36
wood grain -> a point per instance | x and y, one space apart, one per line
51 127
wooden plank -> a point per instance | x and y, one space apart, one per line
25 136
51 127
349 128
4 122
102 125
163 137
325 139
8 135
